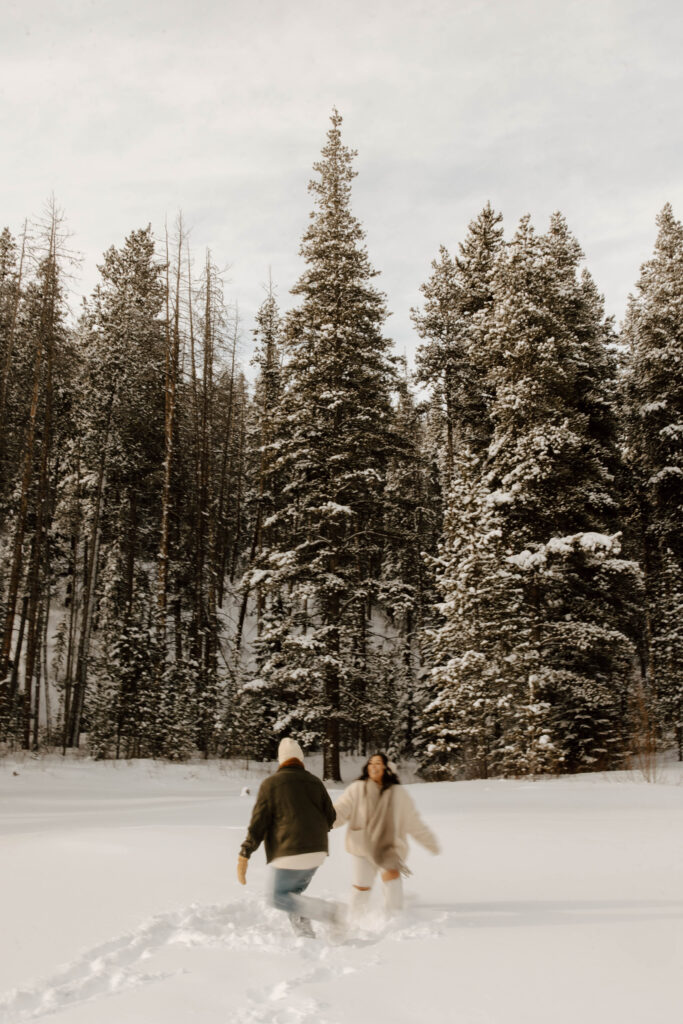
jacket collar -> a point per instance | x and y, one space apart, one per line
293 762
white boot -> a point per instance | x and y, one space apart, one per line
359 903
338 925
393 895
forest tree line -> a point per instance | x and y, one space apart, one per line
478 564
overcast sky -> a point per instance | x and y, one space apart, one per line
131 111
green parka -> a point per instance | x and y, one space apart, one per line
293 814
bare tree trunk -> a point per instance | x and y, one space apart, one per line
240 480
172 359
86 626
202 483
91 565
206 611
44 341
45 667
245 595
40 630
14 678
225 472
71 639
20 530
39 544
33 635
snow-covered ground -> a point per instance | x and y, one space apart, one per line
556 901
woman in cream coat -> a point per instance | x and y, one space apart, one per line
380 815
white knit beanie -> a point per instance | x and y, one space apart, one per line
288 749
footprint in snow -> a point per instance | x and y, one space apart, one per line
112 967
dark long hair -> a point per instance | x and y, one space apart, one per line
390 778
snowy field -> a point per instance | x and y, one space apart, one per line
557 901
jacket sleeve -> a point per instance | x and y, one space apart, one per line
417 828
344 805
258 826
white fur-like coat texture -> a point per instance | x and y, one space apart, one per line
355 807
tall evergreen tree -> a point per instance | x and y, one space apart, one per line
413 518
119 451
264 425
551 467
452 359
534 654
653 331
333 452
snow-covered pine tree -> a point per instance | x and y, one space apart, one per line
265 494
252 710
452 360
119 452
653 331
480 720
551 463
334 453
406 593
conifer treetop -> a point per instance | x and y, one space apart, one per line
332 245
479 249
670 236
661 273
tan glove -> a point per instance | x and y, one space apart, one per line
242 870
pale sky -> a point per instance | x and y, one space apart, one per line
131 111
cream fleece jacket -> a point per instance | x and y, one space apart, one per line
356 804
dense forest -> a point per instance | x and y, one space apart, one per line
477 563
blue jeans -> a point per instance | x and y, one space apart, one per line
285 894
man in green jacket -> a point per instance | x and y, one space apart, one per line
292 815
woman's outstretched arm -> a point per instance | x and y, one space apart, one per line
417 828
344 805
